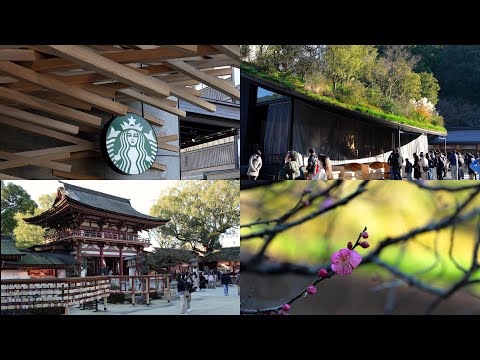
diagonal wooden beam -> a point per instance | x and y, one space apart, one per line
205 65
46 164
187 96
9 177
158 166
158 103
187 50
169 147
89 59
49 107
232 51
20 55
125 56
209 80
42 131
150 118
167 138
24 161
59 149
39 120
20 72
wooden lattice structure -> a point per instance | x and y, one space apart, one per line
63 91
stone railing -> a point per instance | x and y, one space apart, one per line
52 292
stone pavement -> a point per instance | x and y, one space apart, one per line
207 302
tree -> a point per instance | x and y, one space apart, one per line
164 241
200 212
430 87
45 201
346 62
14 199
26 234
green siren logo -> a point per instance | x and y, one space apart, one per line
130 144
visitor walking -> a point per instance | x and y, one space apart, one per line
203 282
188 294
423 167
290 169
255 164
211 281
312 164
225 282
397 162
238 283
390 163
475 166
416 167
440 165
469 158
453 160
408 169
181 292
432 166
461 162
324 168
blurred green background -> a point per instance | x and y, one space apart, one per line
388 208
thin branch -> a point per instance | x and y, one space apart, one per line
297 206
283 227
422 185
330 273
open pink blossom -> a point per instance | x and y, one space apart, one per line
345 260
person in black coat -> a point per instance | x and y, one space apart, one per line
181 292
203 282
225 279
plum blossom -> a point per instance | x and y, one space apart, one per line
365 235
327 203
286 307
311 290
323 273
345 260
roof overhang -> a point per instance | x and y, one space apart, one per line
336 109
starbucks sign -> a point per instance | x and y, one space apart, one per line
129 144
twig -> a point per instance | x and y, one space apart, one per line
330 273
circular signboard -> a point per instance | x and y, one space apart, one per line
129 144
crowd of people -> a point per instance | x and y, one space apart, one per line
434 165
319 167
187 283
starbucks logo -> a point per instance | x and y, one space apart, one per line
130 144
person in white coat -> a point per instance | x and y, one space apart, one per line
423 167
324 168
255 164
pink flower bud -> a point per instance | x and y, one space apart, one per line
364 244
327 203
323 273
365 235
350 245
286 307
311 290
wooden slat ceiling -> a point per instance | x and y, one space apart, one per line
66 82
